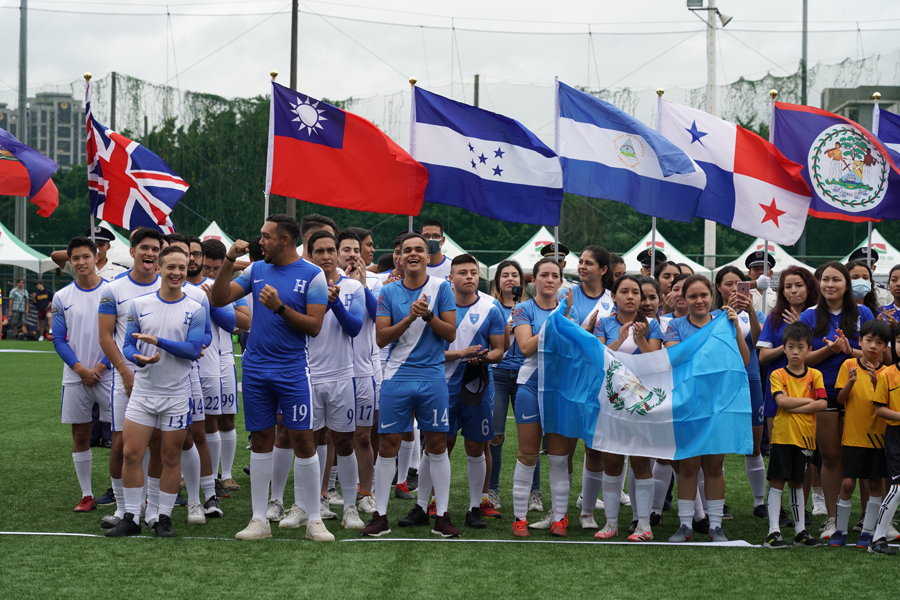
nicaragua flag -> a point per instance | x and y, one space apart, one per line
484 162
608 154
750 185
689 400
26 172
888 128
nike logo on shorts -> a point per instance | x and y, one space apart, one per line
526 417
383 426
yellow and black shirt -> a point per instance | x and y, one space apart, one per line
792 428
862 429
887 391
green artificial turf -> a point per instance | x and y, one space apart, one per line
38 491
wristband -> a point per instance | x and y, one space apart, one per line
280 310
118 363
229 258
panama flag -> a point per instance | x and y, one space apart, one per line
608 154
750 185
692 399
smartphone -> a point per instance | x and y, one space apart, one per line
517 293
743 288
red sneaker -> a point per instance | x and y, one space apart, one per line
402 492
444 527
87 504
488 511
559 528
520 529
432 509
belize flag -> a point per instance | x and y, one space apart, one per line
888 128
484 162
750 185
26 172
322 154
853 176
689 400
608 154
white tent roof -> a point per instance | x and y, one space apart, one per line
530 253
888 256
119 248
633 265
214 232
783 260
16 253
451 250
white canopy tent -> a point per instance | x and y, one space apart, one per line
530 253
214 232
118 250
16 253
451 250
633 265
783 260
888 255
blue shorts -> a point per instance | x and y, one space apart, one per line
527 408
757 416
266 393
476 422
770 407
398 401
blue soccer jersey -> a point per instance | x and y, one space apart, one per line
529 313
832 363
512 358
753 365
475 324
681 328
583 305
772 337
891 310
419 353
273 344
608 329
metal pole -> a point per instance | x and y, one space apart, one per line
876 118
112 103
273 74
772 94
412 128
291 207
801 244
556 149
709 227
21 226
659 95
475 104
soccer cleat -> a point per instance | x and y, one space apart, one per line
444 527
641 534
126 527
493 497
684 534
415 518
211 508
108 498
880 546
432 509
838 538
195 514
335 498
717 535
544 523
231 485
412 480
535 502
488 511
804 539
892 533
775 541
109 521
295 517
326 512
180 501
580 500
520 529
818 502
865 540
624 499
726 513
87 504
274 511
784 519
609 531
761 512
220 490
402 492
367 504
247 468
828 528
588 522
655 519
807 516
633 527
377 527
163 526
351 519
859 524
701 526
560 528
474 519
257 529
317 532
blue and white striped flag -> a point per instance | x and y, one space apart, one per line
689 400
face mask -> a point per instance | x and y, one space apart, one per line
861 287
434 246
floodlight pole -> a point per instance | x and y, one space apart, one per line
22 128
291 203
709 227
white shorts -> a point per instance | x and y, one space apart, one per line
366 400
334 405
118 406
197 413
167 414
212 395
229 397
78 402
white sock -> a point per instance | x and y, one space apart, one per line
590 491
166 503
571 478
523 478
381 484
643 492
332 477
133 498
83 462
871 516
152 512
349 474
699 509
774 509
282 460
701 490
119 492
798 508
208 484
229 445
612 494
145 465
584 475
416 458
299 499
715 510
625 471
190 470
424 482
260 478
322 455
686 512
756 475
307 470
214 442
662 476
631 486
886 512
404 458
559 485
842 512
440 480
477 469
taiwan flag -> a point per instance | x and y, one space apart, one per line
26 172
322 154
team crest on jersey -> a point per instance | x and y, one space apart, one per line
624 388
474 318
605 305
847 171
745 319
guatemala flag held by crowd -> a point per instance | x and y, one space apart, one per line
689 400
750 185
484 162
128 185
853 176
606 153
26 172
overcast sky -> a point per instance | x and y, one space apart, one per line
341 57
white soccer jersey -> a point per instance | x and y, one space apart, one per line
365 351
76 335
180 326
442 269
210 362
331 352
115 299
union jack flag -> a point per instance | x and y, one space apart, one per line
128 185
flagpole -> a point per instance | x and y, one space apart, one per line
272 74
659 95
556 150
412 128
87 89
876 117
773 93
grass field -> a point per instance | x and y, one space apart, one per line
38 491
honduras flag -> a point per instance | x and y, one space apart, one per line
484 162
606 153
689 400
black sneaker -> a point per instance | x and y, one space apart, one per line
164 527
804 539
124 528
808 516
726 513
473 519
416 518
247 469
775 541
377 527
880 546
179 500
211 508
859 524
108 498
701 526
401 491
412 480
221 492
444 527
761 511
784 519
107 444
632 527
655 519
